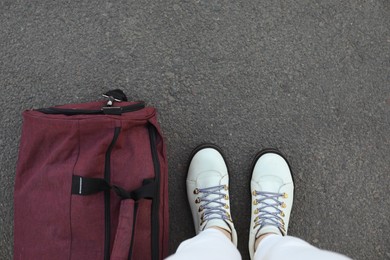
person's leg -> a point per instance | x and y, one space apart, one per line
287 247
272 190
208 244
208 196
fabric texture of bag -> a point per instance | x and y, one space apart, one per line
91 183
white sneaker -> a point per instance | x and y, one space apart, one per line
272 189
208 190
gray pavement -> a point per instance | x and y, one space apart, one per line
311 78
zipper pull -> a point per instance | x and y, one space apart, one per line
114 95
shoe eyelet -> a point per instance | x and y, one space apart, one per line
256 211
285 195
200 208
197 200
226 206
255 202
226 187
282 214
196 191
283 205
226 197
254 193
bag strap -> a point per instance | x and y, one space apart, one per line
146 191
115 95
86 186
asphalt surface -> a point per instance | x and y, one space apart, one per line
311 78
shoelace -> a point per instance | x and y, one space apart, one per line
212 208
269 212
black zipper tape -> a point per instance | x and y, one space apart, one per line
156 200
107 213
132 232
104 110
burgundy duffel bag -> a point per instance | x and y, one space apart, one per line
91 183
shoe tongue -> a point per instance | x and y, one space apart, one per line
269 184
206 180
270 187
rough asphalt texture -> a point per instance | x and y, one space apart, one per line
311 78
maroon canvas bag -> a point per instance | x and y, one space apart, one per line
91 183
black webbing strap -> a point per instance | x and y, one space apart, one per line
87 186
147 191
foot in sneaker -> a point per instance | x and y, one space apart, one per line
208 191
272 191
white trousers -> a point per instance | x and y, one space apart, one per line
213 244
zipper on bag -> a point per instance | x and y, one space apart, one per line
102 111
156 200
133 231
